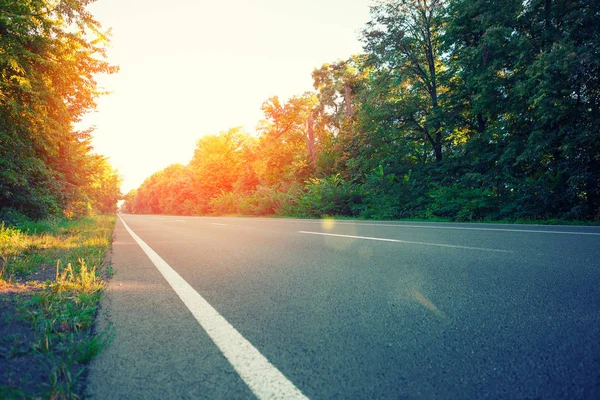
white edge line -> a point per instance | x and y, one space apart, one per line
406 241
264 379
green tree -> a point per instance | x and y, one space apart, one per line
339 86
523 80
460 109
403 43
51 51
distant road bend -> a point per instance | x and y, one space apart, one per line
210 307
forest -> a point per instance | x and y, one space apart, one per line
50 54
460 109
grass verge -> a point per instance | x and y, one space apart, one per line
51 281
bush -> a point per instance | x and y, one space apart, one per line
461 203
263 201
331 196
10 216
225 203
391 195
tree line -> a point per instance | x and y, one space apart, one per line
460 109
50 52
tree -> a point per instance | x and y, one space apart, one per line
523 77
286 147
104 191
339 86
218 161
51 51
459 109
403 42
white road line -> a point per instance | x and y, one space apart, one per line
265 381
407 242
433 226
475 229
217 223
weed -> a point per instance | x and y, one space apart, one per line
60 311
91 345
8 392
62 380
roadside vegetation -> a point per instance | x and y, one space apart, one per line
50 54
456 109
53 190
51 282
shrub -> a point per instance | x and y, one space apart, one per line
225 203
264 200
461 203
331 196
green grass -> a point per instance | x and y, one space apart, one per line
25 248
50 282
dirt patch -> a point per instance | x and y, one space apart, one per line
19 363
26 366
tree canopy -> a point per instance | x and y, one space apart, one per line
50 53
459 109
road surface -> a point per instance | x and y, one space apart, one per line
349 309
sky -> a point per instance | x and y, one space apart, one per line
193 67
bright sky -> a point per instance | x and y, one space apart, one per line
196 67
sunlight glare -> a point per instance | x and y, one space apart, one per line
328 224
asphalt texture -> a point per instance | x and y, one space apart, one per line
510 312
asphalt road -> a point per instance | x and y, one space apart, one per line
465 311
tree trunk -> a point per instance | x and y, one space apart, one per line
480 123
437 147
